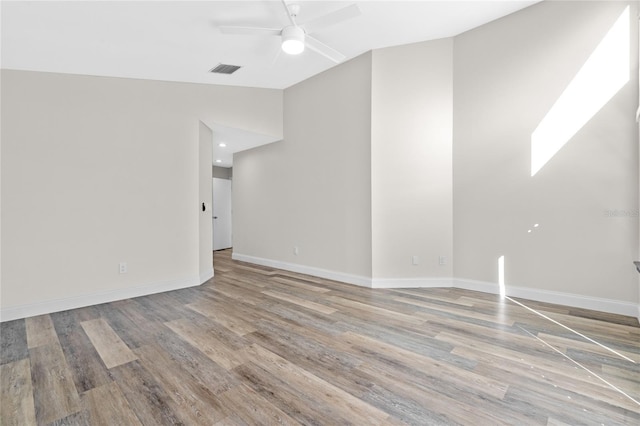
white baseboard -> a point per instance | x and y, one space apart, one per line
555 297
206 276
475 285
57 305
576 300
566 299
308 270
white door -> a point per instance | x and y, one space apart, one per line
221 214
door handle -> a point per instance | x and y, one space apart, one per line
215 217
204 207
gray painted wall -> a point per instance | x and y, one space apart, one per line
507 76
222 172
313 189
479 203
411 137
98 171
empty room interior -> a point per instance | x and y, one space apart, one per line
319 213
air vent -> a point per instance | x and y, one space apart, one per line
224 69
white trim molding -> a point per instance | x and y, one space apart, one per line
566 299
56 305
206 276
307 270
540 295
555 297
475 285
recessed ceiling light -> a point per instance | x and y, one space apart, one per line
222 145
218 161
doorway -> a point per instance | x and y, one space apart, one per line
221 217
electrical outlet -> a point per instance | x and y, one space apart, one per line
296 250
442 260
415 260
123 267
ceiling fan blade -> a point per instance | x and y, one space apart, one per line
331 18
275 58
324 50
289 13
250 30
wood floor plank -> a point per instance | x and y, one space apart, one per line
54 392
204 370
232 420
40 331
13 344
85 364
576 343
292 282
260 411
108 344
419 402
107 406
135 325
206 343
300 406
145 395
536 377
300 302
195 403
340 405
457 376
16 396
80 418
580 407
536 354
221 315
418 295
366 311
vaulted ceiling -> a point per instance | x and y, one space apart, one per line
182 41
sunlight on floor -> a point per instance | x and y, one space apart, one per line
503 297
600 78
617 389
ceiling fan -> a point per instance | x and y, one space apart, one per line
295 37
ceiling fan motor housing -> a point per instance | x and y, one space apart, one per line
293 40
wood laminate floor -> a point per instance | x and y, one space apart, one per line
261 346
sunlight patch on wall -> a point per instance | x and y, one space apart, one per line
600 78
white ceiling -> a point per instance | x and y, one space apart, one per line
236 140
180 40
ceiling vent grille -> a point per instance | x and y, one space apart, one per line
224 69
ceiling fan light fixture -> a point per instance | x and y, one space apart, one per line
293 40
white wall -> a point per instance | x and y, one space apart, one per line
222 172
313 189
470 108
97 171
507 75
411 138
